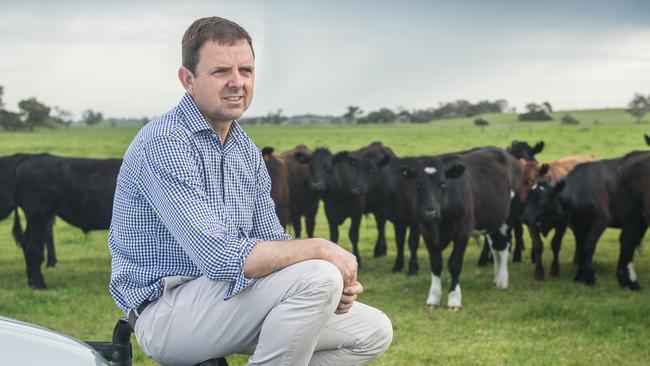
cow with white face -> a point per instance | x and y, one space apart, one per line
456 196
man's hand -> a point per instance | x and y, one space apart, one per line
347 299
345 261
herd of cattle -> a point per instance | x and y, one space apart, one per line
444 198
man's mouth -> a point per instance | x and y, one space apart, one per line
234 98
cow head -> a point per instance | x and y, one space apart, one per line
543 204
522 150
431 177
647 139
364 169
532 173
320 166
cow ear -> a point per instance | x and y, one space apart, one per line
543 170
647 139
455 171
267 152
538 148
383 161
301 158
340 156
559 186
406 172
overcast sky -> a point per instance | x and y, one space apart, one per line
120 57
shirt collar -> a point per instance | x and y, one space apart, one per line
196 122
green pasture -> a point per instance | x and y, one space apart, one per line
556 322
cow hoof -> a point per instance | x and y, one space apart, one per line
412 272
454 308
539 275
516 258
397 268
634 286
38 287
51 265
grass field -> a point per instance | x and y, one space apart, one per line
556 322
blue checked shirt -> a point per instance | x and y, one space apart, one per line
187 205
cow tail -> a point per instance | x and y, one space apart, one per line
17 230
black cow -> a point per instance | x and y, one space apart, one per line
341 184
80 191
521 150
647 139
634 212
398 202
279 174
8 166
458 195
585 200
303 201
366 164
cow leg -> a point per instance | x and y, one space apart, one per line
297 225
588 245
538 249
631 234
34 250
414 242
400 236
310 220
556 244
380 245
49 240
353 234
455 264
484 258
499 244
435 261
519 240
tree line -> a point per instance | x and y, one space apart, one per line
36 114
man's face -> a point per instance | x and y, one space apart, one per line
222 86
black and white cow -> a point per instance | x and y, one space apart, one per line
80 191
458 195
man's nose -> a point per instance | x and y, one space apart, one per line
236 80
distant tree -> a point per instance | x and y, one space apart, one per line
481 122
62 117
568 119
36 113
2 91
536 112
92 118
639 106
353 113
10 121
383 115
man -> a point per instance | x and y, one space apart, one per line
200 262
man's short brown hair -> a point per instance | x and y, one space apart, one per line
215 29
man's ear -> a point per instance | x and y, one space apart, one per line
187 79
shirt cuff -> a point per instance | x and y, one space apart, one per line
241 282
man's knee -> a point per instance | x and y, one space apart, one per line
323 278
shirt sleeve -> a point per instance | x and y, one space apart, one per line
172 184
266 225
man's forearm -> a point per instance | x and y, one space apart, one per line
271 256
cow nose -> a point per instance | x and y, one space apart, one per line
357 190
431 214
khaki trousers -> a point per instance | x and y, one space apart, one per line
285 318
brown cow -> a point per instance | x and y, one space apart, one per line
532 173
279 184
303 201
